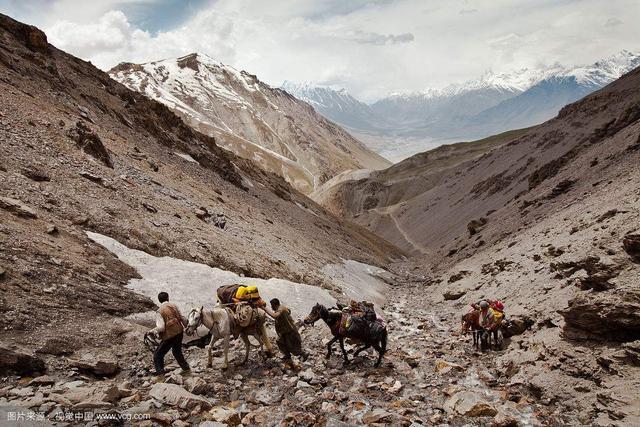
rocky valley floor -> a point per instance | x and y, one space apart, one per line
431 375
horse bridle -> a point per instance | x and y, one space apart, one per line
195 328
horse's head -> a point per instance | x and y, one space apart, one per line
316 313
194 320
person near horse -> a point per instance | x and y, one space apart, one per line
487 319
289 340
169 328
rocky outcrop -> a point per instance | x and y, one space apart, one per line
596 274
19 361
31 36
631 244
89 142
474 226
17 208
97 365
608 316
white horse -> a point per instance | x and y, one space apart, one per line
221 324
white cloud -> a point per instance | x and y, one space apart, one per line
370 47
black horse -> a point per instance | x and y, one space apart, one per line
375 337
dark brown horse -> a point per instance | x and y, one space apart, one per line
373 336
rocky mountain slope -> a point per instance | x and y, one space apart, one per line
547 221
251 119
82 152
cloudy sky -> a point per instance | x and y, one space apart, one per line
369 47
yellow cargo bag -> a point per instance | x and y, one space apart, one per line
497 315
246 293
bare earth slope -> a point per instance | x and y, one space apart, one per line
373 199
279 132
80 151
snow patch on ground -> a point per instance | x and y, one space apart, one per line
191 284
360 281
187 157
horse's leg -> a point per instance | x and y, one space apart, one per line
247 347
210 351
344 352
226 339
329 345
262 330
380 351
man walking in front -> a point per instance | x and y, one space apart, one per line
169 327
289 340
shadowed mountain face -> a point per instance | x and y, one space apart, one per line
277 131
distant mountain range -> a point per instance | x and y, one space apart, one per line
253 120
494 103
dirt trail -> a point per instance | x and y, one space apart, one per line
417 246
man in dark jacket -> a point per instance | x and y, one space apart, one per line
289 340
169 328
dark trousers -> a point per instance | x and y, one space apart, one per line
290 343
175 345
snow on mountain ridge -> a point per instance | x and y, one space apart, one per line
250 118
598 74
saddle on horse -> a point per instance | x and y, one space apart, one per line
358 318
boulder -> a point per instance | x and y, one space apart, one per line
469 404
174 395
17 208
474 226
19 361
101 365
57 347
224 415
453 294
86 394
443 366
42 380
258 416
611 316
377 415
196 385
267 397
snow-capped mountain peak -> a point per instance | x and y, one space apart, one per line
250 118
606 70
